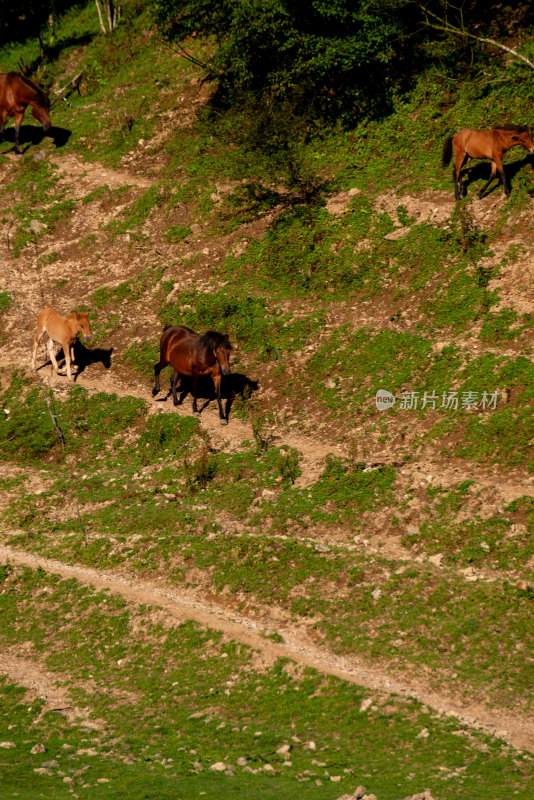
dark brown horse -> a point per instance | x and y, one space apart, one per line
468 144
16 94
194 355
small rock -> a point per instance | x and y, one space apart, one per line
38 748
219 766
523 586
436 559
398 234
43 771
424 734
50 764
365 704
268 768
197 765
69 781
35 226
321 548
376 593
335 778
285 748
309 746
7 745
331 384
485 546
81 771
241 761
359 792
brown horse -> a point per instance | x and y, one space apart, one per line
16 94
194 355
468 144
62 330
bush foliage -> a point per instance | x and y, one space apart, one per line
334 59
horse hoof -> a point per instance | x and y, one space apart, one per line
154 392
224 422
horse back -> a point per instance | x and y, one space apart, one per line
61 329
181 348
478 143
16 90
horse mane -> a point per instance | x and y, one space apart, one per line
514 128
42 98
211 340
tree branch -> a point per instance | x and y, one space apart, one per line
445 25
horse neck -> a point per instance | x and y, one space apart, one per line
208 355
73 324
36 98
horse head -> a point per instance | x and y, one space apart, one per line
522 137
41 110
84 327
220 346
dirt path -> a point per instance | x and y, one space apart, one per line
181 606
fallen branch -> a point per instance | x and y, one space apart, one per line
71 86
176 47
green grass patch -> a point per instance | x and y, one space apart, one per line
6 301
248 319
178 699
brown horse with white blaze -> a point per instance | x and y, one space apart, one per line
62 330
492 144
16 94
193 354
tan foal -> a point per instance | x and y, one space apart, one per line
62 330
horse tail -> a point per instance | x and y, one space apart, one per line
447 151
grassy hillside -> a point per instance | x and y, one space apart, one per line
398 539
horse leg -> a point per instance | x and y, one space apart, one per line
174 379
52 356
195 385
66 352
18 123
162 363
492 176
36 342
217 383
500 169
461 158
